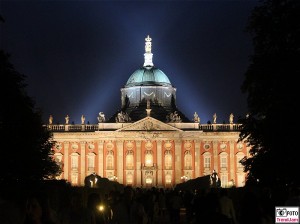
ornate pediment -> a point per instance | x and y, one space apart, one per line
149 124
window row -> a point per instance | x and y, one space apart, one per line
149 160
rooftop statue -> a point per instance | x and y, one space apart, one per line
122 117
231 118
174 117
67 119
101 117
215 118
82 119
50 119
196 118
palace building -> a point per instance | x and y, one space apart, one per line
149 142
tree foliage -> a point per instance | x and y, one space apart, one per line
272 94
26 146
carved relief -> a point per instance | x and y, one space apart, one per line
148 145
206 146
74 147
91 146
109 145
129 145
240 146
223 146
187 145
58 146
148 125
168 145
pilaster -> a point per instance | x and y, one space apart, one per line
138 163
159 163
119 160
82 162
197 158
66 160
231 156
177 161
215 155
100 158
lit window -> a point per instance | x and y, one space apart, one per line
149 180
74 179
110 160
238 159
187 160
148 158
129 179
168 160
168 179
129 160
91 162
206 162
224 162
74 161
224 180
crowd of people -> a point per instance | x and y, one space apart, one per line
143 206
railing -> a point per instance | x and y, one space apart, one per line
153 167
95 127
220 127
72 127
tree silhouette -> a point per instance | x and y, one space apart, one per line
26 146
271 87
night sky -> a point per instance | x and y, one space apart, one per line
76 55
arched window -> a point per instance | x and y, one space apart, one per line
74 161
223 161
239 157
187 160
129 179
58 159
168 160
149 180
168 179
240 180
129 160
74 178
91 162
207 161
148 158
110 160
224 180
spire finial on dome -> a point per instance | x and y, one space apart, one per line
148 55
148 44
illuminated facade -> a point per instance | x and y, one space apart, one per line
149 142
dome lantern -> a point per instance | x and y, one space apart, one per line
148 55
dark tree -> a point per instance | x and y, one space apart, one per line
26 146
272 89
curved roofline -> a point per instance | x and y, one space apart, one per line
148 75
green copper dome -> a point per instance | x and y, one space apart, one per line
148 76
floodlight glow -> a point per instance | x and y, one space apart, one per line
101 208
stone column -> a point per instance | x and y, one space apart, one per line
119 158
82 162
159 163
178 160
197 158
231 159
215 156
66 160
138 157
100 158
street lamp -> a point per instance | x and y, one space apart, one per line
113 178
184 178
